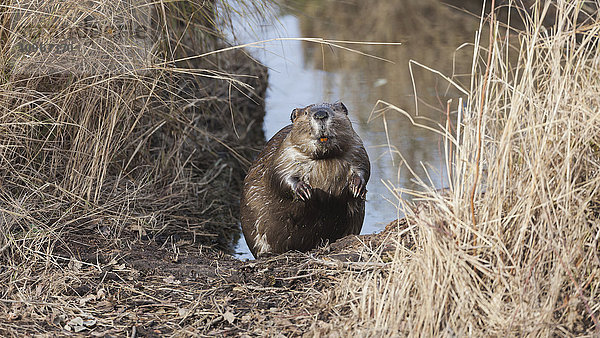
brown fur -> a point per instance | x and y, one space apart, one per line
308 185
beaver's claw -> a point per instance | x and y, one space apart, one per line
302 191
358 187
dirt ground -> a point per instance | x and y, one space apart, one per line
138 288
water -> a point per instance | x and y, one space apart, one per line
302 73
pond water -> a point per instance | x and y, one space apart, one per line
303 72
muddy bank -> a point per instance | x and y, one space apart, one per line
143 289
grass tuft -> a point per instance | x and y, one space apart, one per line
120 141
528 261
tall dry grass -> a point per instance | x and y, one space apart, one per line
128 139
511 247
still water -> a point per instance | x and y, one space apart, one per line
303 72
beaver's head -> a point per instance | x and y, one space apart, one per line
322 130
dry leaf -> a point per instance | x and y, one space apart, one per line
119 267
86 299
79 324
75 265
171 280
89 322
75 325
101 294
229 317
183 312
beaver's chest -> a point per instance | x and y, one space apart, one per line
328 175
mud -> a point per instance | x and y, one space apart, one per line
143 289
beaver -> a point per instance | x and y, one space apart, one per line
308 185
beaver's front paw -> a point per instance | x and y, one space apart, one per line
302 191
358 186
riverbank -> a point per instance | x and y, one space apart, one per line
151 291
114 136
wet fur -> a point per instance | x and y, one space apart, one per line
276 216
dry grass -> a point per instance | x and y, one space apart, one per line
528 262
108 139
127 140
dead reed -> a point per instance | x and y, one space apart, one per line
112 130
528 262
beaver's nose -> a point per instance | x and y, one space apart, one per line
320 115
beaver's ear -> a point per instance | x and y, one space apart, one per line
340 106
295 113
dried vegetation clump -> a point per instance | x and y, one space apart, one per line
511 247
125 141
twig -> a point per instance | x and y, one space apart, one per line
449 128
483 89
